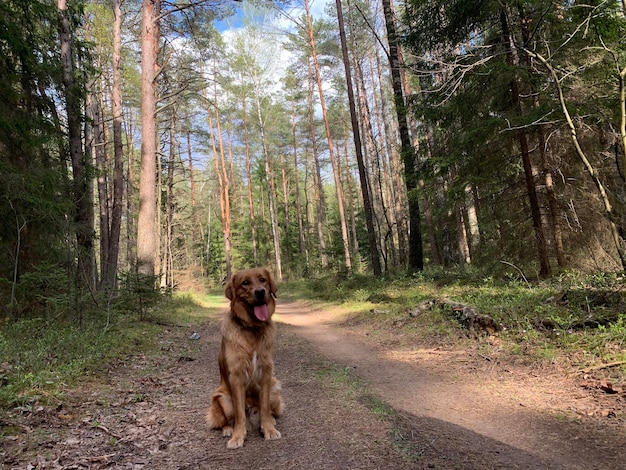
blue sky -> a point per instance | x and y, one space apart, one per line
317 8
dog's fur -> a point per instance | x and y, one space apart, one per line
246 359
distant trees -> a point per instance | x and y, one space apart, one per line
496 129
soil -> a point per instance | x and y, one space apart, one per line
354 400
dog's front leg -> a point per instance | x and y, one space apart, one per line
238 394
268 427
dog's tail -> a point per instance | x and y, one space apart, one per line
221 411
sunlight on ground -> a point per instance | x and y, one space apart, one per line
193 307
432 355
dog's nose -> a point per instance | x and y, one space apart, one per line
259 293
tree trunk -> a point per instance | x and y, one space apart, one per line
621 159
170 207
222 179
271 196
246 139
301 236
430 197
352 204
367 203
118 152
131 209
192 178
333 159
540 240
472 217
409 158
98 144
461 235
83 201
555 213
317 178
369 155
147 229
285 185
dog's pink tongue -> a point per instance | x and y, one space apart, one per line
260 311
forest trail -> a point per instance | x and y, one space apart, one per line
503 418
147 412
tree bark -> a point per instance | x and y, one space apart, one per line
118 152
317 177
333 159
409 158
83 201
147 229
367 203
246 140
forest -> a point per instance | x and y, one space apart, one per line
438 188
178 141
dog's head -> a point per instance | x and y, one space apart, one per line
251 294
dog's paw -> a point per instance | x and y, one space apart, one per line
227 431
235 442
270 433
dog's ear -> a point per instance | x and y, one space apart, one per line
229 290
272 283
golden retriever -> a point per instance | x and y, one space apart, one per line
246 359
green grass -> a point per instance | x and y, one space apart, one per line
42 357
587 327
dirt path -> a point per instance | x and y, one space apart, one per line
470 419
148 412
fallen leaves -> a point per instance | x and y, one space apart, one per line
602 384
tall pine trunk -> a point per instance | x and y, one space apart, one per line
301 234
246 140
98 145
83 201
317 177
540 239
367 203
109 281
222 179
147 228
409 157
168 255
331 151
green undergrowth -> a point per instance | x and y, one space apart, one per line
42 357
579 318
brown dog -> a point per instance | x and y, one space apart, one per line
246 359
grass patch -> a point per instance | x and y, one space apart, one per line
573 317
41 357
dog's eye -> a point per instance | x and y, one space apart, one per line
262 279
245 282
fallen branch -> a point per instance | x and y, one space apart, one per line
602 366
103 428
467 316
